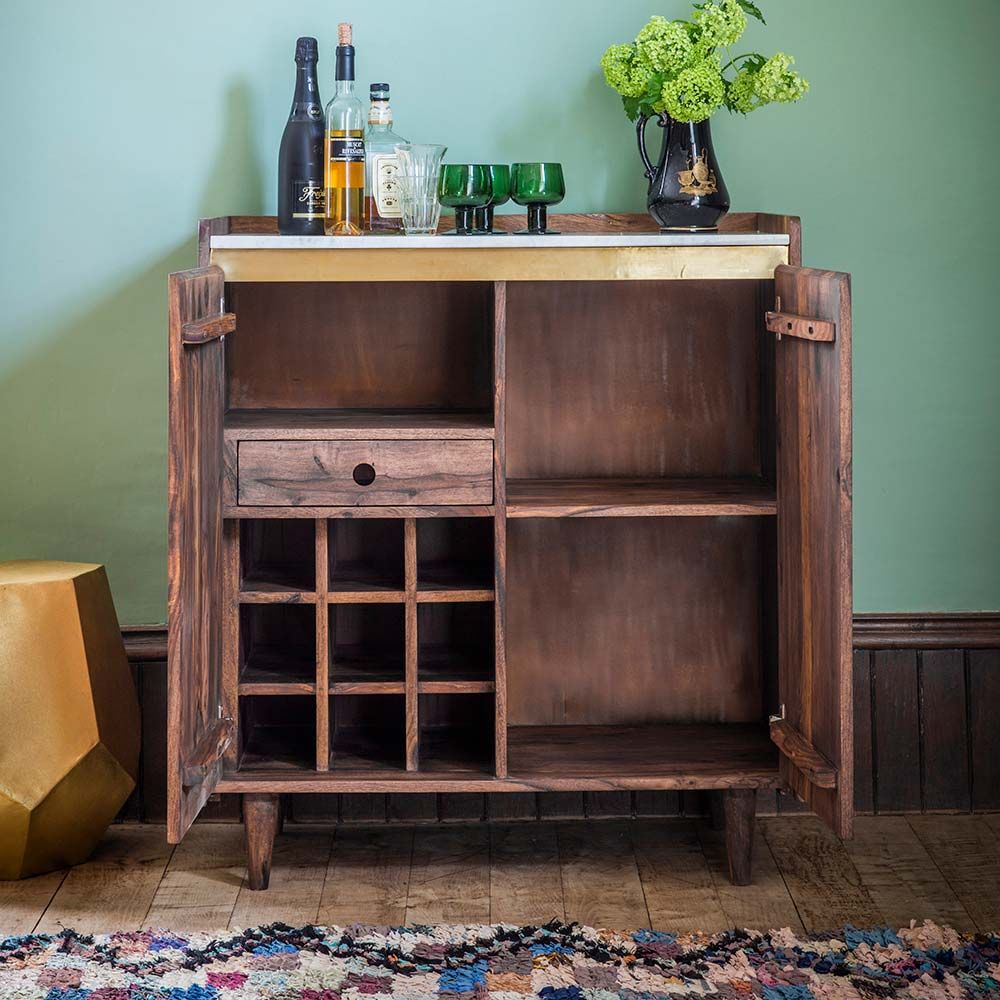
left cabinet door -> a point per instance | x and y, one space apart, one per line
199 724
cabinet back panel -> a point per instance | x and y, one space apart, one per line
635 620
636 378
365 345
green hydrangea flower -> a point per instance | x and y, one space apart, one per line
776 81
622 70
740 93
674 66
664 46
695 93
721 25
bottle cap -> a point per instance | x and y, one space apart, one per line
306 50
379 91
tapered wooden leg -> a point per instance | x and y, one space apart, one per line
261 816
739 806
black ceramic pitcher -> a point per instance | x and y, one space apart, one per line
686 189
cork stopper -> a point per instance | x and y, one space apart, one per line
343 33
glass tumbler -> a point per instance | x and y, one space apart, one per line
419 166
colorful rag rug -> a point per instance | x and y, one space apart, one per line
500 962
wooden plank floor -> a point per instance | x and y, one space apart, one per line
664 874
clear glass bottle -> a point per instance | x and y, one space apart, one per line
383 213
345 147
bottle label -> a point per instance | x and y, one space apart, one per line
347 149
380 113
308 200
385 185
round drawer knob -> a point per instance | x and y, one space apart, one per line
364 474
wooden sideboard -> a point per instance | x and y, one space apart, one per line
498 514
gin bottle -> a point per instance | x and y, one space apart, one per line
382 208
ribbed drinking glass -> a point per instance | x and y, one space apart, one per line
419 166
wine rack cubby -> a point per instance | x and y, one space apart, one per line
371 641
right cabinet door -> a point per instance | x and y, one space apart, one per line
814 727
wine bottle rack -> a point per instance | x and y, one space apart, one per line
369 640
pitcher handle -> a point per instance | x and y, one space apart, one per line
640 135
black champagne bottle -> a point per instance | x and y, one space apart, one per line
301 186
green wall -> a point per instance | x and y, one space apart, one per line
126 121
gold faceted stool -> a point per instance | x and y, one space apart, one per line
69 719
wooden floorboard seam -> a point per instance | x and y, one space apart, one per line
48 903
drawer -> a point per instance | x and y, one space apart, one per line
369 473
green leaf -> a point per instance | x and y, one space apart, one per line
631 105
752 10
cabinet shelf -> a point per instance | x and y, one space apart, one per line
640 498
562 758
360 664
454 584
449 670
268 592
357 424
275 672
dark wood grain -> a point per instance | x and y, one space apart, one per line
412 737
194 561
500 526
145 643
984 733
323 571
646 620
803 755
639 498
739 806
661 398
560 758
355 512
347 425
319 473
813 381
261 818
928 630
201 331
944 733
864 771
897 731
786 324
946 789
334 346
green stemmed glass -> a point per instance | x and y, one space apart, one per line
500 175
537 185
464 187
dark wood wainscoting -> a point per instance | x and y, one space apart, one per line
926 690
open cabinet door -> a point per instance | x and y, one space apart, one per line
814 730
198 726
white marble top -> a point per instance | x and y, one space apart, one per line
261 242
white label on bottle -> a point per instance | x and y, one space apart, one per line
385 185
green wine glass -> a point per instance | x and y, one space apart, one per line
500 175
464 187
537 185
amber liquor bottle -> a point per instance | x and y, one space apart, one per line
345 147
301 194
